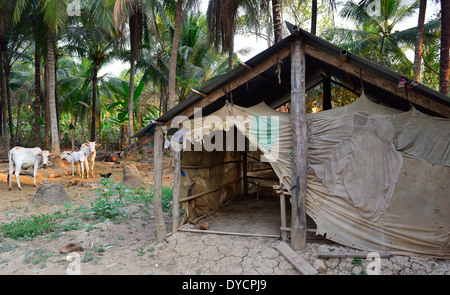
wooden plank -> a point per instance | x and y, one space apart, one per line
373 79
349 254
299 144
254 72
288 229
300 264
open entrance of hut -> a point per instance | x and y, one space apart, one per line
229 188
235 192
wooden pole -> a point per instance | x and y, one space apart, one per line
283 216
157 185
299 144
245 169
176 191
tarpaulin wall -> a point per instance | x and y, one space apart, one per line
378 178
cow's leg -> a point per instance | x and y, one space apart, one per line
73 172
11 171
92 168
36 166
17 175
87 169
81 164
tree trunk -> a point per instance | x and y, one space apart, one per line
47 107
445 48
17 135
51 94
57 104
314 17
163 100
3 102
419 40
231 55
94 104
6 64
277 26
132 74
174 53
37 94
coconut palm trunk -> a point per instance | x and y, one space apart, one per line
445 48
314 17
94 104
419 40
277 26
174 54
5 137
51 94
37 99
135 40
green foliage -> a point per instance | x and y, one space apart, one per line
357 261
29 228
110 202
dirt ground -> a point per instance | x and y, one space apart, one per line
130 247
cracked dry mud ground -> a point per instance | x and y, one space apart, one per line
188 253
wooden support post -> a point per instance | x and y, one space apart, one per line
299 144
326 105
284 234
157 185
176 191
245 169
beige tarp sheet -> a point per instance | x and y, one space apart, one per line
378 178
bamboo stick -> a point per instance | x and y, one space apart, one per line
228 233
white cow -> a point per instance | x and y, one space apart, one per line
89 149
79 158
25 158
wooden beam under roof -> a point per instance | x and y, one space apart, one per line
252 73
377 81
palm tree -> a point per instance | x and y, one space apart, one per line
196 62
76 89
96 44
222 16
29 14
375 36
134 10
445 48
174 53
54 17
